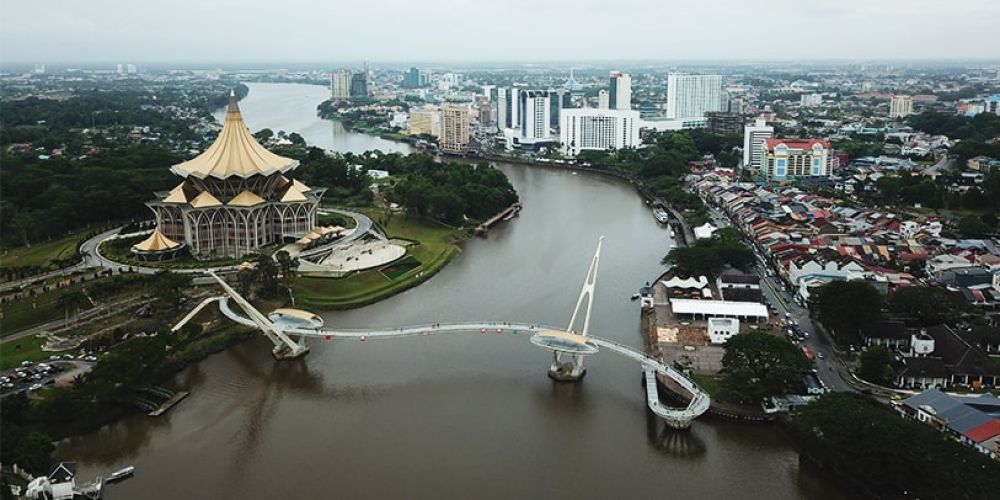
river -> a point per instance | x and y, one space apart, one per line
460 416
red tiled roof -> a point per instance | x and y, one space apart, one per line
796 143
985 431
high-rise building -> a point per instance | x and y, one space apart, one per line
753 137
359 85
603 99
340 84
508 110
121 69
990 105
809 100
690 96
784 159
534 112
414 78
235 198
620 95
900 106
424 121
598 129
454 128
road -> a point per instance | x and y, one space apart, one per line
828 364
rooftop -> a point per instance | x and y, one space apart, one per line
234 153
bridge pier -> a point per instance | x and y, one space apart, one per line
568 370
283 352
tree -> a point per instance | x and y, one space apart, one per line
876 365
287 265
846 306
72 301
973 226
708 257
263 135
929 305
167 287
860 438
267 276
758 365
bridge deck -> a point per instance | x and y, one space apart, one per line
676 417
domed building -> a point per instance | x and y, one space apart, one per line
235 198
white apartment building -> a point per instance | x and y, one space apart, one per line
809 100
535 113
340 84
900 106
753 137
620 94
598 129
603 100
690 96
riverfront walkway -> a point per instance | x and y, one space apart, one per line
675 417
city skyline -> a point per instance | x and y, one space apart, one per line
241 32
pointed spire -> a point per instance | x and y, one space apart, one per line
233 106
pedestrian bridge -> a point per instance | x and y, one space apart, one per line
675 417
569 345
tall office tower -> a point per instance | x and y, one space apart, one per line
603 99
411 79
131 69
340 84
990 105
454 128
782 159
598 129
753 136
508 110
121 69
359 84
561 100
690 96
900 106
620 96
533 108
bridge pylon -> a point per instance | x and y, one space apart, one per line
567 364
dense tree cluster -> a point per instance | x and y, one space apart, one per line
974 132
757 365
871 446
928 305
709 256
875 365
46 198
845 307
449 192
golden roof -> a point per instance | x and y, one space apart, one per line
205 199
234 153
156 242
295 313
177 195
245 199
293 194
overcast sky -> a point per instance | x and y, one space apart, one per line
238 31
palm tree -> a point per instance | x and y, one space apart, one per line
71 301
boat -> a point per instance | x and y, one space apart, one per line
635 296
661 215
574 173
120 474
672 235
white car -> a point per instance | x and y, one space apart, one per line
35 387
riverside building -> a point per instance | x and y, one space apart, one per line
598 129
234 199
786 159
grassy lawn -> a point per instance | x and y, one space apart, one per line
711 385
436 247
24 349
41 254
